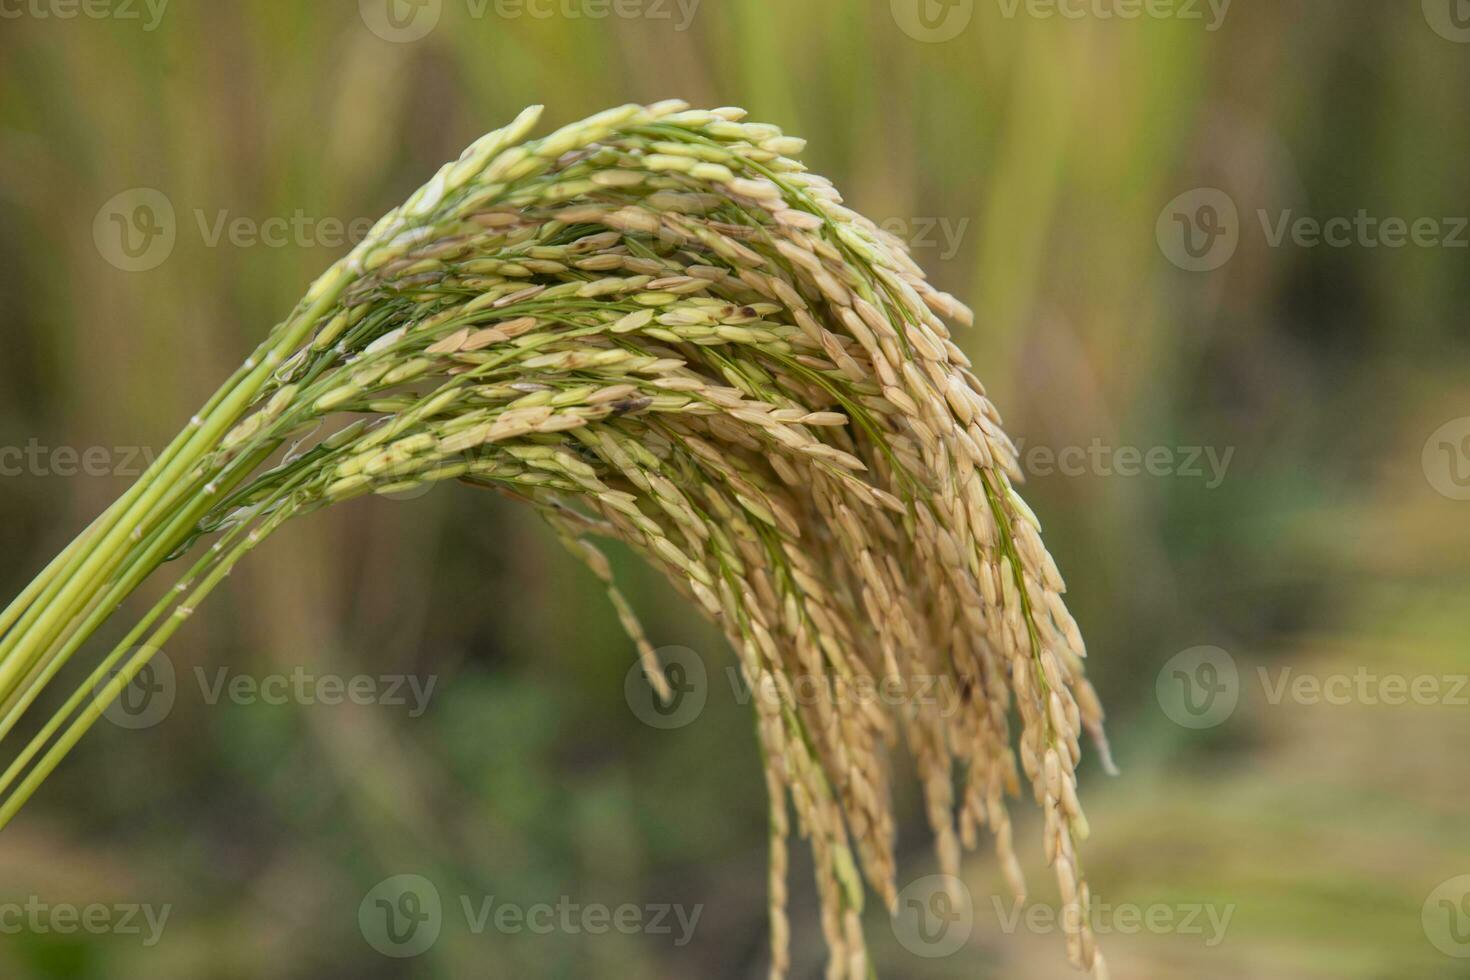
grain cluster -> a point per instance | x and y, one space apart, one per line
656 326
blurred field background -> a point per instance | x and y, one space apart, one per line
1029 159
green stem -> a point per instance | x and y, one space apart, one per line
150 497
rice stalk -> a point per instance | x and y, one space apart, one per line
655 326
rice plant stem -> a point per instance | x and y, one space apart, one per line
100 558
218 565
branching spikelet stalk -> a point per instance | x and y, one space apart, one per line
655 326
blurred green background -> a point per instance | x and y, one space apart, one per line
1126 201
